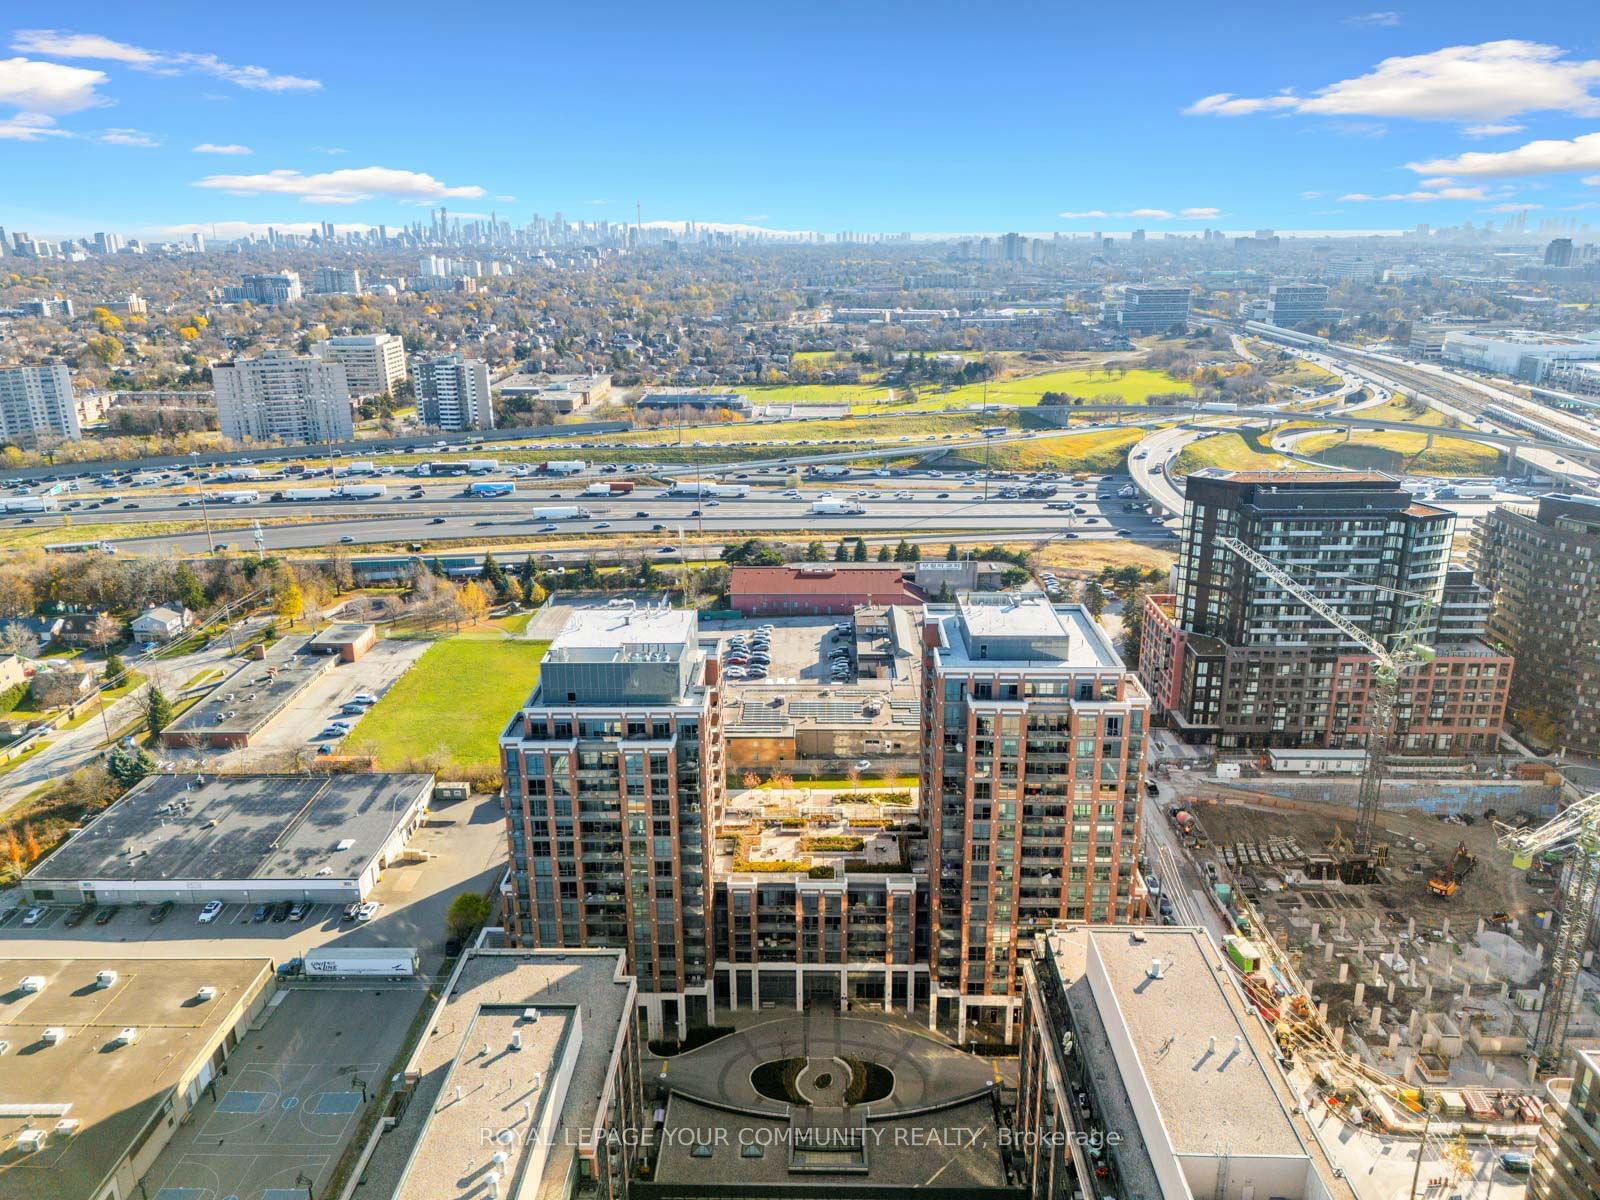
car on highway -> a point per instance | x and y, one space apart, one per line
547 529
641 513
666 549
437 521
210 912
602 524
347 539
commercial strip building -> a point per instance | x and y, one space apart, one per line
105 1057
347 640
37 402
526 1081
248 839
613 772
669 399
1143 1073
1567 1164
1521 353
1033 736
566 393
239 708
1232 659
1541 565
374 364
283 397
818 589
1148 309
453 393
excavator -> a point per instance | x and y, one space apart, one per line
1448 878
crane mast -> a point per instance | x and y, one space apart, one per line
1382 697
1576 827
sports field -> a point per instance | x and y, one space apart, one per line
453 703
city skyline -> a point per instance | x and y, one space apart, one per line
1347 120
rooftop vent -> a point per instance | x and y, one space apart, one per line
531 1015
206 993
345 843
127 1037
30 1140
31 984
105 979
53 1036
1154 970
67 1126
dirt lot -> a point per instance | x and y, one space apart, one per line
1494 886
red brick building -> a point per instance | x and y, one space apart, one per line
819 589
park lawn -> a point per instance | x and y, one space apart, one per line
453 702
866 429
1093 386
1093 556
1242 451
1104 450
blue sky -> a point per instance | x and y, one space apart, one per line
925 117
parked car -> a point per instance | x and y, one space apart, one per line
161 911
367 911
103 917
350 912
280 911
262 913
210 912
78 916
33 916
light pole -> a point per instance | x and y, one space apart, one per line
205 515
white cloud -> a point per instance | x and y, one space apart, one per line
1534 158
345 186
64 44
1386 20
1146 214
506 199
1449 193
46 87
1592 180
1485 82
1512 208
1438 181
1493 129
127 137
330 150
227 148
1310 195
29 127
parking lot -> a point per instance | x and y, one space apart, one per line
800 647
277 1118
297 729
464 847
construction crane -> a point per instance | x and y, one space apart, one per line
1388 665
1577 827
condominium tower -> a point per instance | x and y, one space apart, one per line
1233 659
453 393
1033 743
282 396
613 769
374 363
37 402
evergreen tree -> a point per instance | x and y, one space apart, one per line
492 575
816 552
187 589
842 552
860 553
884 555
128 766
952 554
115 670
157 711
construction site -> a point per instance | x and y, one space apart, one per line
1415 995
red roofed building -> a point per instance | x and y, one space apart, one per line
818 589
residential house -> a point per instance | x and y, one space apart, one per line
161 624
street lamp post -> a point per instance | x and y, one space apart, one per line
205 515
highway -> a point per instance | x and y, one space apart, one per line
441 513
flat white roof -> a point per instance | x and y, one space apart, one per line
591 629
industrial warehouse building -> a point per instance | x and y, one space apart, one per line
106 1058
238 838
250 699
818 589
347 641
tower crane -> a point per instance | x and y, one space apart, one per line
1388 666
1577 827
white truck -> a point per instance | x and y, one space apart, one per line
29 504
234 497
569 466
561 512
236 474
836 508
482 466
829 471
362 491
719 491
304 494
359 467
383 962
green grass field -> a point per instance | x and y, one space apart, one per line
1405 452
1136 387
453 703
1100 451
1242 451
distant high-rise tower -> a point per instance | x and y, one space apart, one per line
1558 253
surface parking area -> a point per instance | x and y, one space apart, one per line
274 1123
800 646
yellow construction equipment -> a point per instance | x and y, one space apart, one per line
1447 879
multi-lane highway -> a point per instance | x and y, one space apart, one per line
441 513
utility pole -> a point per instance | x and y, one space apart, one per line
205 515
